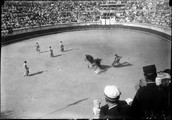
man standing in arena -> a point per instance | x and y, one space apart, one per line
51 52
37 47
61 46
116 60
26 73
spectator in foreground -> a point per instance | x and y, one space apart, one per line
114 108
163 81
149 101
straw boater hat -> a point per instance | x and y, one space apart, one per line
112 93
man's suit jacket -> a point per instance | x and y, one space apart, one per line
148 99
120 111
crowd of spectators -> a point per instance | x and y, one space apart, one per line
151 12
26 14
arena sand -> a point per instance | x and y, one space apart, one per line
63 86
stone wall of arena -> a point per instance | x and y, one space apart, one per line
26 33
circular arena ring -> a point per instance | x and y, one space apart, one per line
63 86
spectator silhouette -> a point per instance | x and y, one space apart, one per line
163 81
149 101
115 108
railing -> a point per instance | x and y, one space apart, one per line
45 27
26 33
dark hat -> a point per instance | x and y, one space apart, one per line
167 71
149 70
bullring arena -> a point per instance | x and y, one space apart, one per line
63 86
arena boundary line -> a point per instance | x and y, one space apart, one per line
31 34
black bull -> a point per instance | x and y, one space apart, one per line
93 61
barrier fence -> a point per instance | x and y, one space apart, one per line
25 33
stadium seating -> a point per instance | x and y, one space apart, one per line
29 14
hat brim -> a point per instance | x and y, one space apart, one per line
112 99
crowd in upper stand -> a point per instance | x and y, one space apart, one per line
26 14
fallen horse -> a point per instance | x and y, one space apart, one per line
94 63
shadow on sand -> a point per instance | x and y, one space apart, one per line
124 64
68 50
57 55
40 72
64 107
105 67
44 51
7 115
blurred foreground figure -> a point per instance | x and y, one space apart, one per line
115 108
149 101
96 108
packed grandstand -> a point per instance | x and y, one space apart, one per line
29 14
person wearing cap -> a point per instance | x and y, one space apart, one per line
149 100
163 81
114 108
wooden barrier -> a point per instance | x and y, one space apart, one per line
23 34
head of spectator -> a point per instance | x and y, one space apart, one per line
167 71
150 73
163 79
112 94
114 107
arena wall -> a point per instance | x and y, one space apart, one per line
26 33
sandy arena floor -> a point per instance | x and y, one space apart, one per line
63 86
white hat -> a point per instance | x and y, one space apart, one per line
161 76
111 92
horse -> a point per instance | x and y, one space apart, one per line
98 61
89 58
94 62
